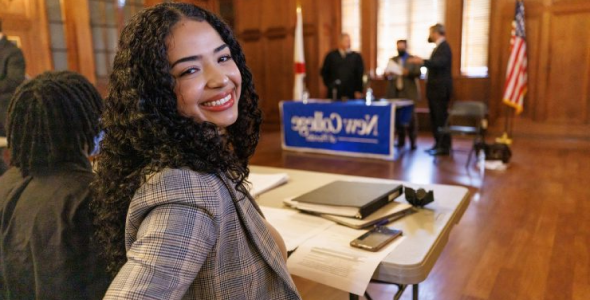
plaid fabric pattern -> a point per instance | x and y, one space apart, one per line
193 236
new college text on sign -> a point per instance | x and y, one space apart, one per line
345 128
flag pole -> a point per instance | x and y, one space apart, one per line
505 138
299 90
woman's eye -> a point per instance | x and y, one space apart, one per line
225 58
189 71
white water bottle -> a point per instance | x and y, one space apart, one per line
369 96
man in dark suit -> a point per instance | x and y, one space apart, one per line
403 84
343 71
12 72
439 87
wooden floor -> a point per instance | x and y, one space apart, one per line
525 235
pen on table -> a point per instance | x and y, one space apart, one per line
394 217
335 253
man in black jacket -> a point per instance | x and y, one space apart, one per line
343 70
12 72
439 87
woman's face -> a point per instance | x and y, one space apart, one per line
208 81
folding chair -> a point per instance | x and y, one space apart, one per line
467 118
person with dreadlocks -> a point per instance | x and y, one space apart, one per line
181 121
46 225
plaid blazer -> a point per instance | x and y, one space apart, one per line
191 235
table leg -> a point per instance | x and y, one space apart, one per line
415 292
353 296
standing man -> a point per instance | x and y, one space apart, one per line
12 72
439 87
343 71
403 83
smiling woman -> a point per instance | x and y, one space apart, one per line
181 122
208 81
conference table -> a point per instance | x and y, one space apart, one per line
426 232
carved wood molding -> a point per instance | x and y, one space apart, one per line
275 33
250 35
308 30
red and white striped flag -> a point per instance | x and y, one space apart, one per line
516 74
299 59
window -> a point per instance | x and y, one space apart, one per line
59 49
406 20
351 22
475 37
107 18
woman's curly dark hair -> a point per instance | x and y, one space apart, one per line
143 130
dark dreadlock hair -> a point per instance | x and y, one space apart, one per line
53 119
144 132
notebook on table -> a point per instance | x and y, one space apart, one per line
386 214
355 199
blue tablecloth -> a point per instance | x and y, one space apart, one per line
346 128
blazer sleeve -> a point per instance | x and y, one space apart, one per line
440 59
413 70
173 241
15 72
325 71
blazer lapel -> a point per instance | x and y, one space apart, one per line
260 236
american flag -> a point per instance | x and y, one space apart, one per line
516 74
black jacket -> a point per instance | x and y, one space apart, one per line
349 70
46 228
440 80
12 73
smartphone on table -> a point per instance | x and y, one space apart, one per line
376 238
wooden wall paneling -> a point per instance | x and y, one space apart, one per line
567 84
539 111
14 7
453 26
278 22
329 26
266 31
558 101
537 28
210 5
248 29
79 38
312 58
148 3
534 29
369 34
27 20
473 89
496 48
310 16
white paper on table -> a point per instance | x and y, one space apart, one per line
393 67
327 258
261 183
293 226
